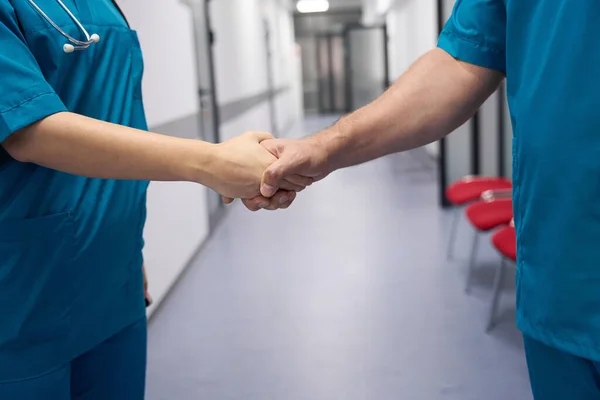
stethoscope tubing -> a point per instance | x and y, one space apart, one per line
77 44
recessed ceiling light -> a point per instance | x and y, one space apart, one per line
312 6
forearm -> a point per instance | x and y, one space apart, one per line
434 97
83 146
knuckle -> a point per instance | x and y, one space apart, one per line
271 174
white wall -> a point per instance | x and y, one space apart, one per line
177 222
412 28
241 59
165 28
240 51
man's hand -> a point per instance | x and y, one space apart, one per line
305 157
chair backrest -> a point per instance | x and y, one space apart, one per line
505 241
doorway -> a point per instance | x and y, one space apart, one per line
349 68
331 73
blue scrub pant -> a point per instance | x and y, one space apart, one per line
115 370
556 375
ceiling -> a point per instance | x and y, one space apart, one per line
335 5
341 4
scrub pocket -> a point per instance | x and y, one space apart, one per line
37 282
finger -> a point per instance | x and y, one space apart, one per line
319 177
275 173
300 180
273 146
290 187
280 199
289 203
260 136
227 200
256 203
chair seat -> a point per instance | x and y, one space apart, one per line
505 241
486 216
470 188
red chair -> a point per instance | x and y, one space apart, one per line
505 241
467 190
494 210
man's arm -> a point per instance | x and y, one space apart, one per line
434 97
83 146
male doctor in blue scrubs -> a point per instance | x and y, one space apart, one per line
549 52
75 161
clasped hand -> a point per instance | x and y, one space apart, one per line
266 173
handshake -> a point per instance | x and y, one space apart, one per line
266 173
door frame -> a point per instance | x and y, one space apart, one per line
213 80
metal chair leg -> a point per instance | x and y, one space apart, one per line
472 261
498 280
454 229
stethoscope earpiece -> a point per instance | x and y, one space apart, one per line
69 48
74 43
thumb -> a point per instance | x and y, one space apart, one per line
277 172
260 136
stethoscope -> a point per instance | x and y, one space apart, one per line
74 43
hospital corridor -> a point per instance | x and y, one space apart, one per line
346 295
299 200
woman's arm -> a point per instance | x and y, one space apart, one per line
84 146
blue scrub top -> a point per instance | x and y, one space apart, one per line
70 247
550 53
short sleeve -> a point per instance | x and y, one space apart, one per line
26 96
476 33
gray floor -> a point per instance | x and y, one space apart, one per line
345 296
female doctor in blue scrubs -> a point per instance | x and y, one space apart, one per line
74 165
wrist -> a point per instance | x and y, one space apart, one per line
200 163
332 142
